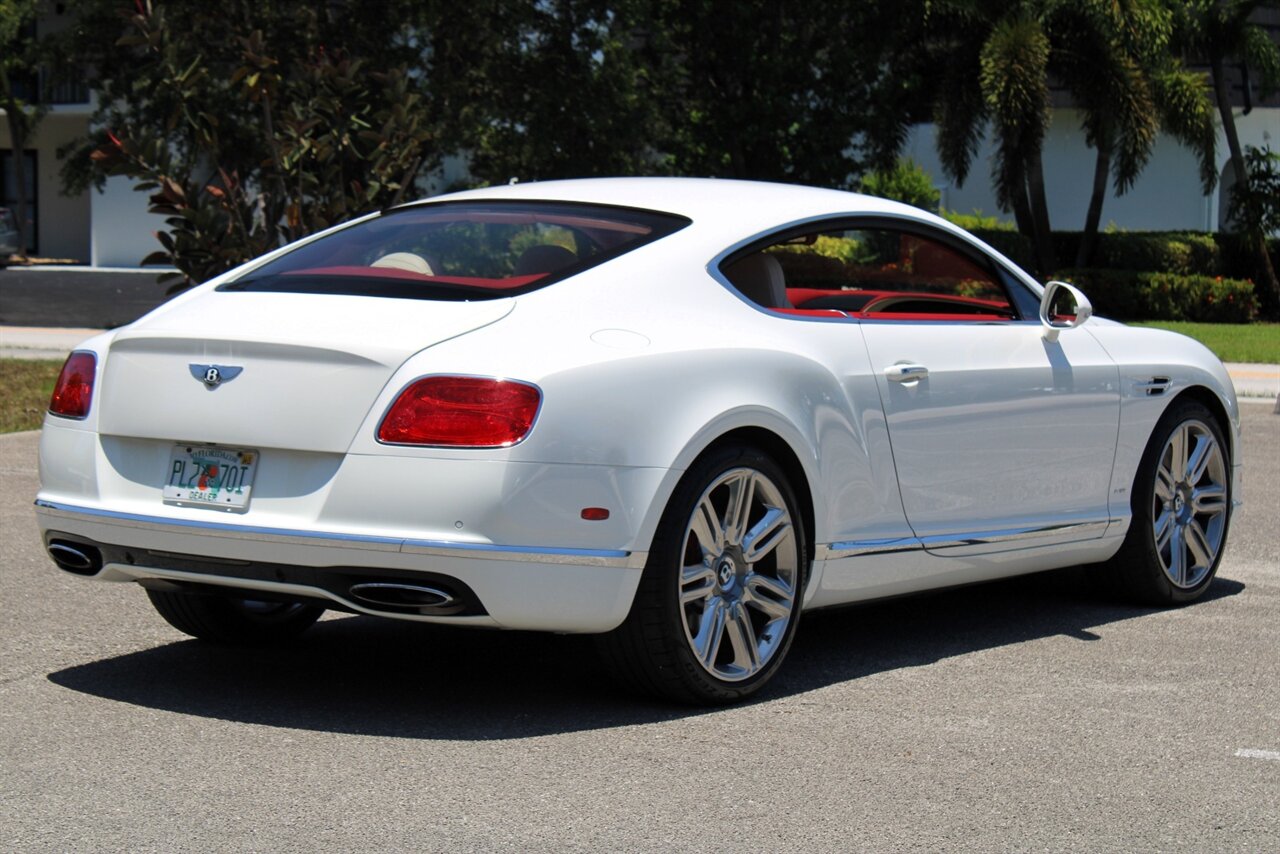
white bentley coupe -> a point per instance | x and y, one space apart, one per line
675 413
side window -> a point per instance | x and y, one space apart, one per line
871 273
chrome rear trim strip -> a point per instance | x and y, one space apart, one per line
122 572
291 536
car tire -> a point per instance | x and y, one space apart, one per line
1181 510
233 622
719 600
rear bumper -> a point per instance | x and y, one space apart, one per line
515 587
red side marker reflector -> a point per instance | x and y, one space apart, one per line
595 514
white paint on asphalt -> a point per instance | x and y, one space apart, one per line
1249 753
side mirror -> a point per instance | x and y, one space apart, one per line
1062 307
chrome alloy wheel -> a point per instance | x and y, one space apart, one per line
738 575
1189 503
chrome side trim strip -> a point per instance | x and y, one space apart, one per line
1076 530
291 536
943 542
861 548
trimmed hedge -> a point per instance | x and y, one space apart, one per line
1127 295
1184 252
1009 243
1155 275
1188 253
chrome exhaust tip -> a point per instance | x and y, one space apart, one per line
401 597
75 557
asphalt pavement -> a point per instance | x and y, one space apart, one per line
1026 715
77 297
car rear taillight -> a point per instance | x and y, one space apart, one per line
74 391
470 412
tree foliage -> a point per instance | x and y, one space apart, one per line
904 182
1119 64
782 91
296 116
1222 30
555 89
1115 58
786 91
1255 208
22 55
254 122
257 139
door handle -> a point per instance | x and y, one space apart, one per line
905 372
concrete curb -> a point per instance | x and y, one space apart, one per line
36 342
83 268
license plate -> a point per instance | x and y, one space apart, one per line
219 478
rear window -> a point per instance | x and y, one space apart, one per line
461 251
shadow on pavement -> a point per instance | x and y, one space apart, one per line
368 676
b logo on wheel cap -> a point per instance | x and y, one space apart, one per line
725 572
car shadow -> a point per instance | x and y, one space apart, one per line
367 676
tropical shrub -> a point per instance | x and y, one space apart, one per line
906 182
976 220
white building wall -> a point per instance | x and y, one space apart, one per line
123 231
1166 196
63 221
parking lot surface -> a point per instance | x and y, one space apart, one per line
1023 715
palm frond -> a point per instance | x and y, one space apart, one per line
1262 55
1187 112
1013 77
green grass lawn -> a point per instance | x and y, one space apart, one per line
1232 342
25 388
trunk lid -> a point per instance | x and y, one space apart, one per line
312 365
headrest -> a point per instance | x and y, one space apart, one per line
405 261
543 258
759 278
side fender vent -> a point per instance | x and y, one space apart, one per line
1152 387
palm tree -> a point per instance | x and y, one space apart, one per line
1113 56
1221 31
995 57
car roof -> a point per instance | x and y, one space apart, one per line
753 205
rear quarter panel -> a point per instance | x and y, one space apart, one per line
646 364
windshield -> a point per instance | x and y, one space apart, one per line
461 250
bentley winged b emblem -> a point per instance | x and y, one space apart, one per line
215 375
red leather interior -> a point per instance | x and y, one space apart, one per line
811 312
409 275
